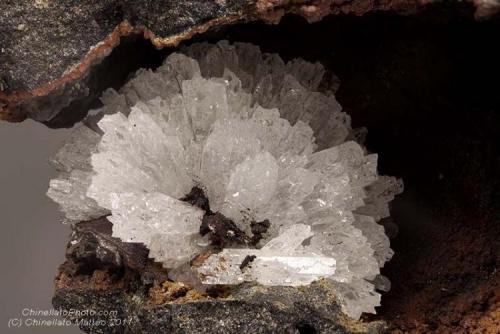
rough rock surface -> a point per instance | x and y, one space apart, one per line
102 273
48 48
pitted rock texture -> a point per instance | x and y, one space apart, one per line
48 48
102 273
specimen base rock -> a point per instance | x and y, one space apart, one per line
103 274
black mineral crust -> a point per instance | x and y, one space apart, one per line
103 274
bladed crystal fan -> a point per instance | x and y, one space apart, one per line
267 147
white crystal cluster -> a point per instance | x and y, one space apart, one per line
263 143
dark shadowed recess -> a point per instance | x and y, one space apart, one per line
426 87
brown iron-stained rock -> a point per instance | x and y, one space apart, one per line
49 47
129 293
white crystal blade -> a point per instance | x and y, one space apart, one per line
251 186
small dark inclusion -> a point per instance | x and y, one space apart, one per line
223 231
